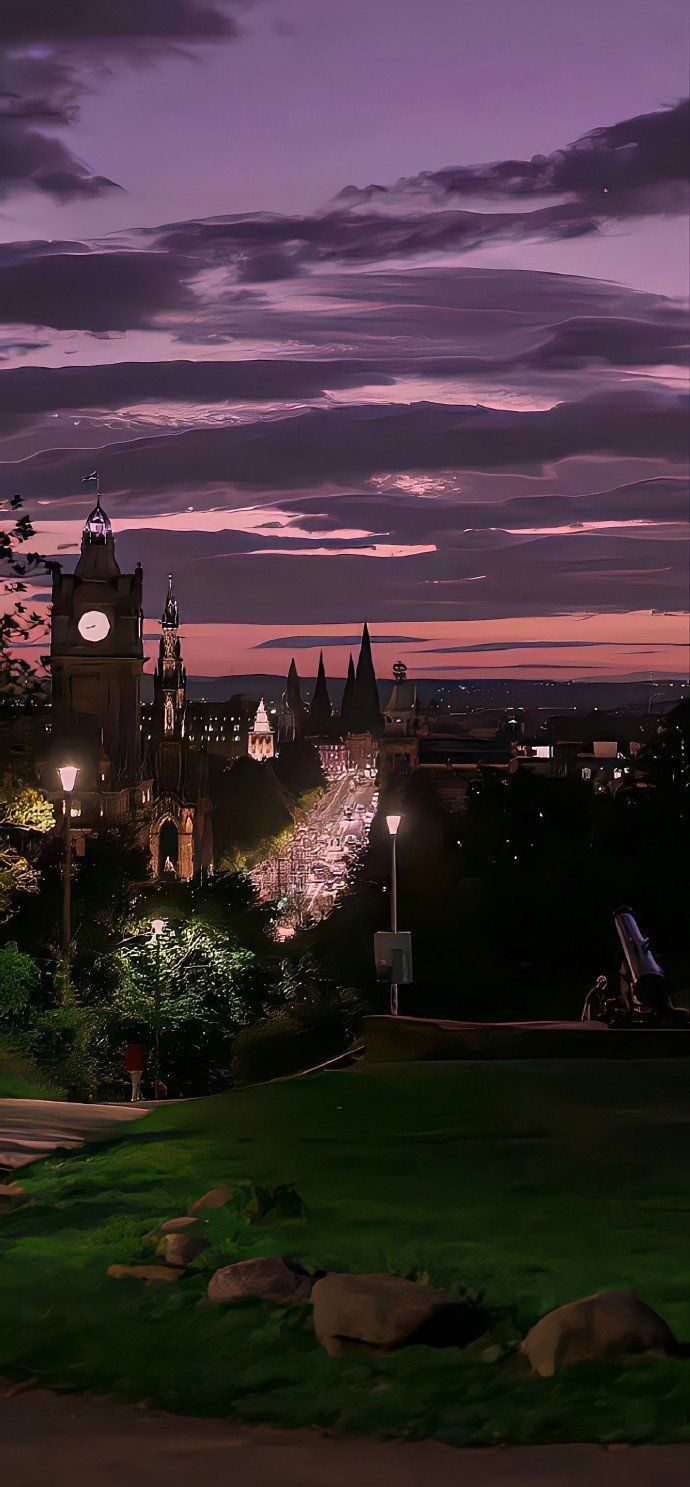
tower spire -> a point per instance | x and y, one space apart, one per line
320 710
170 677
366 706
347 703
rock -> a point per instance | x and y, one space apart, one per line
143 1272
384 1312
11 1192
612 1322
215 1198
181 1249
176 1226
269 1278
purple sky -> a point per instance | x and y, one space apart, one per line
454 404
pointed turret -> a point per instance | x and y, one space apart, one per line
347 704
367 709
320 711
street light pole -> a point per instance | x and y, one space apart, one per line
157 925
393 823
68 776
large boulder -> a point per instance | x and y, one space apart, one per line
384 1312
214 1198
268 1278
609 1323
181 1249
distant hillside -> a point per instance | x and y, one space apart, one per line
479 692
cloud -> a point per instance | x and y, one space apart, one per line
94 291
347 442
54 51
116 22
308 642
40 92
631 168
634 168
549 645
30 390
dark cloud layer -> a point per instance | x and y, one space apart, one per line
344 443
30 390
233 579
636 167
620 170
53 51
91 291
115 21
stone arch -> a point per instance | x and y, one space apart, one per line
171 839
168 848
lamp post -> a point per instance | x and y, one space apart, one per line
68 778
393 822
157 926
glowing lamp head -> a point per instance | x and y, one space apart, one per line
393 822
68 777
157 925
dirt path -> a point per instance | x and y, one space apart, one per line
33 1129
75 1442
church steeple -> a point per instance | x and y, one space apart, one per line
348 700
366 708
170 677
320 710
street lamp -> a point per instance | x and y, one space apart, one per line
157 927
68 778
393 822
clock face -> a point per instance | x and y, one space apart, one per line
94 625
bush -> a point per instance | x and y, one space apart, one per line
19 981
311 1020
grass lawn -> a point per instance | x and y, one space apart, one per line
530 1183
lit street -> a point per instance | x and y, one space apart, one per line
314 869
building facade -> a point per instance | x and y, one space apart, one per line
261 742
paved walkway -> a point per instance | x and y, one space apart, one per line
94 1443
32 1129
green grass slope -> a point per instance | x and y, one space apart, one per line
529 1183
21 1080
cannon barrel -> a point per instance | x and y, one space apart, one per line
638 956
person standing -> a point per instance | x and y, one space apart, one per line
135 1063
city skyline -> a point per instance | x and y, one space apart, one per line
452 402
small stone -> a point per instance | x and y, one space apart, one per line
143 1272
176 1226
215 1198
609 1323
181 1249
268 1278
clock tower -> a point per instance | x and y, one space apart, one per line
96 661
